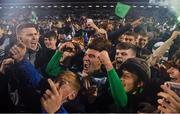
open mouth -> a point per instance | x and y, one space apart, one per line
86 65
119 60
33 44
123 84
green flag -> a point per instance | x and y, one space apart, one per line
178 18
122 9
34 17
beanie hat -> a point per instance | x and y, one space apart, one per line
137 66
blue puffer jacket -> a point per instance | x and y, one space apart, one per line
25 87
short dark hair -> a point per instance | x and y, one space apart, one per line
132 34
144 34
175 61
50 34
100 44
25 25
76 47
126 46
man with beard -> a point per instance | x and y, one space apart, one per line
97 96
137 71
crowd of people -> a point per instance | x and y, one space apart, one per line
81 65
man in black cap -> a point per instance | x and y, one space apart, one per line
135 76
135 72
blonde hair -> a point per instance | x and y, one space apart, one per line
71 78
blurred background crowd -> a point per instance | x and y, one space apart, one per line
90 56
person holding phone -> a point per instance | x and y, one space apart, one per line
169 101
30 92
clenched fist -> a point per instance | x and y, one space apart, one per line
105 60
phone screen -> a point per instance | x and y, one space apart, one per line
175 87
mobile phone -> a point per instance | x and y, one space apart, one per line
18 44
174 86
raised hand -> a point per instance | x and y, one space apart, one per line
65 45
68 50
103 32
137 22
170 102
18 51
105 60
67 54
175 34
5 63
52 99
90 23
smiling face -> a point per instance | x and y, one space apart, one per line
30 37
91 62
142 41
129 39
50 43
46 42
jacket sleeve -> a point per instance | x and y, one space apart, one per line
117 89
113 36
29 72
159 52
53 68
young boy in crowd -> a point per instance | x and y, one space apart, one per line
27 86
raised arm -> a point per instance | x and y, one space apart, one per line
59 59
159 52
24 66
113 36
53 68
116 86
